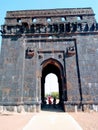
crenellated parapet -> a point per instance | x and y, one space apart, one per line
59 21
51 28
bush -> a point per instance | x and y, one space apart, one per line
53 94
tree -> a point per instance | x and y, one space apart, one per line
55 94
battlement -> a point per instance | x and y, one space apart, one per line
50 22
50 12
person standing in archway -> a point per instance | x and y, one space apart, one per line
49 100
54 102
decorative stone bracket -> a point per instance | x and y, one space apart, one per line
70 51
29 53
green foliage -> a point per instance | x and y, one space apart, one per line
53 94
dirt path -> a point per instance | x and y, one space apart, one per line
14 121
88 120
17 121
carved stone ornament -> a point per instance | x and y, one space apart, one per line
29 52
70 51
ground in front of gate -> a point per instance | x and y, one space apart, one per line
17 121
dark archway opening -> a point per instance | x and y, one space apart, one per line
52 66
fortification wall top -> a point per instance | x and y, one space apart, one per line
49 21
50 12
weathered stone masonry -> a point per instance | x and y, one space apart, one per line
38 42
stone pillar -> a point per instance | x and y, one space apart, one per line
1 109
38 107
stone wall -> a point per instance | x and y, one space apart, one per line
30 37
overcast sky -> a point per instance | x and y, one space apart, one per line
6 5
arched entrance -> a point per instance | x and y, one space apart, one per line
53 66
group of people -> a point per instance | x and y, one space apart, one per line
52 101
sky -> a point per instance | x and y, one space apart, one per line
51 84
11 5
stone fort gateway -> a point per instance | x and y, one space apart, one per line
36 43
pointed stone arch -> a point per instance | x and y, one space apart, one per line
53 66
